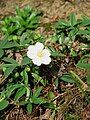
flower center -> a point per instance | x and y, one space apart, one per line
40 54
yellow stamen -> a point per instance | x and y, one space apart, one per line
40 54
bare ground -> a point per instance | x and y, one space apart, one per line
52 10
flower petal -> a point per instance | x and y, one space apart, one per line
31 47
46 52
37 61
46 60
38 54
39 46
31 52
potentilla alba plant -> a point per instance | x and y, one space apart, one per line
39 54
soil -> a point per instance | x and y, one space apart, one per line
52 10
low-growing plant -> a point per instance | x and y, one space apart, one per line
24 84
34 65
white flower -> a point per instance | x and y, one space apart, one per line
38 54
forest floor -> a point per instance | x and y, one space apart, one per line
52 11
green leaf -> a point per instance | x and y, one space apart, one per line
8 67
73 33
10 60
73 20
25 39
21 91
25 76
4 44
9 70
62 23
27 93
1 53
73 53
26 61
37 92
50 105
55 53
18 12
10 89
56 82
39 79
83 32
77 80
85 22
29 107
67 78
38 100
83 65
3 104
51 95
32 16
